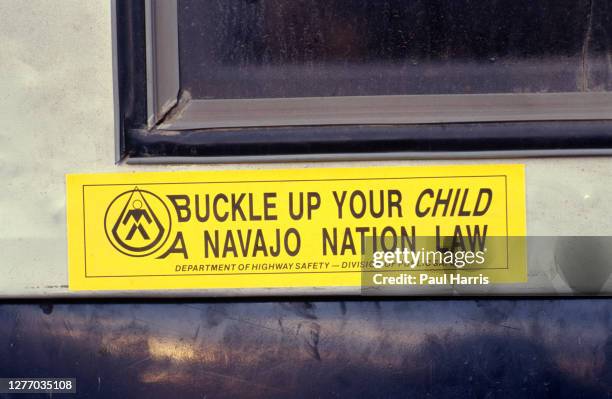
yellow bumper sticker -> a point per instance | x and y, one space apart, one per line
290 228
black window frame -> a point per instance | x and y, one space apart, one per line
146 91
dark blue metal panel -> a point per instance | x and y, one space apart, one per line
417 348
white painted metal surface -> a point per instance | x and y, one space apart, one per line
56 108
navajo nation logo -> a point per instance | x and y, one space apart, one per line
137 223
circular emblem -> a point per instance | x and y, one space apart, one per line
137 222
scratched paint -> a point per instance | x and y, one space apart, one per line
468 348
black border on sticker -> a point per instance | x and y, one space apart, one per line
284 181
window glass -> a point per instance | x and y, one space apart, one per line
309 48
